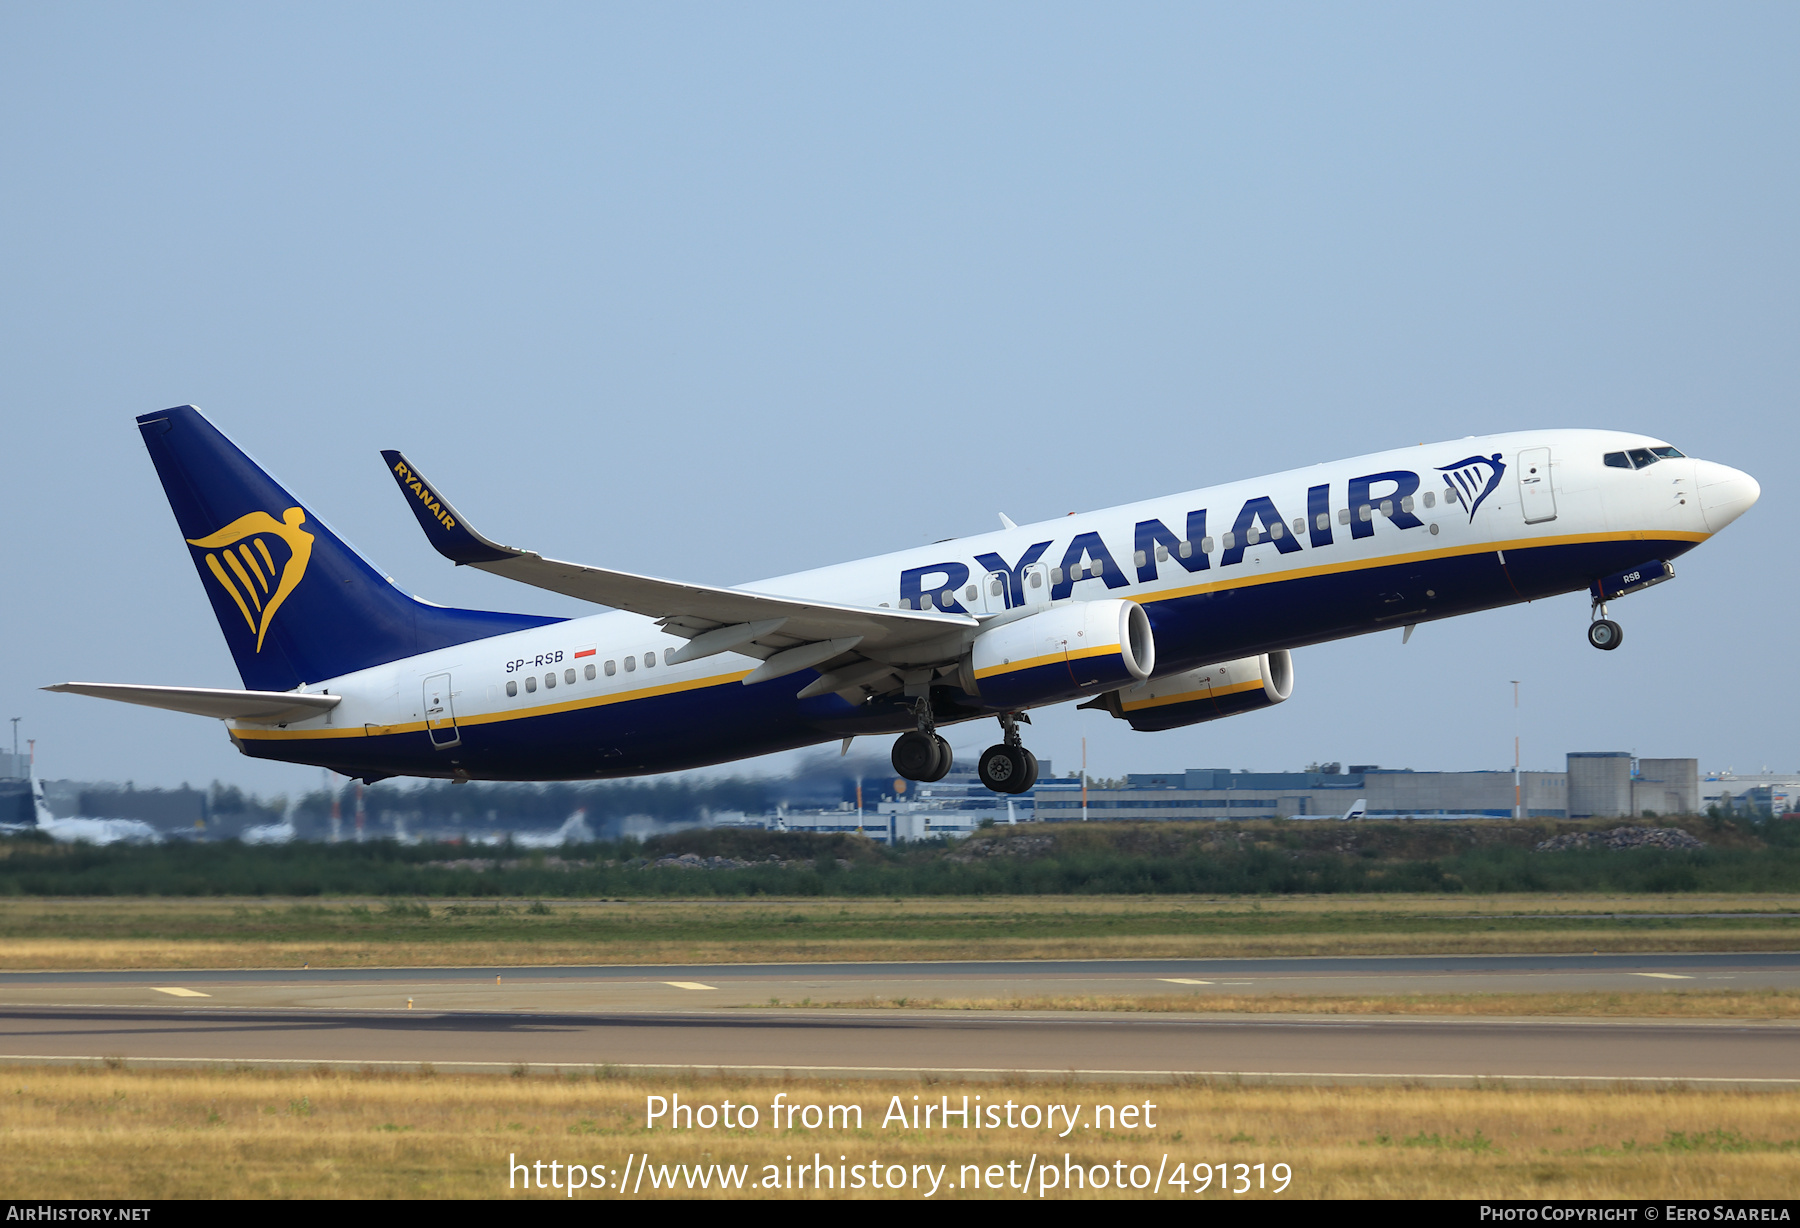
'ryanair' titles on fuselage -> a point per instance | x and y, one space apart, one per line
1392 494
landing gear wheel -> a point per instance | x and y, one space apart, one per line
916 756
1004 769
1605 634
1031 771
946 757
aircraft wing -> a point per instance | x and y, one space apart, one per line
261 707
764 625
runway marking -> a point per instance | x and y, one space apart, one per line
689 985
1181 980
1664 976
182 993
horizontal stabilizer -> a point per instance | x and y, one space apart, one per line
262 707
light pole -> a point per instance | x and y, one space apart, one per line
1518 797
15 758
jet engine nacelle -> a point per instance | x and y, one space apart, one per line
1204 694
1064 652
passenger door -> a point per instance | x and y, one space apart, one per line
1537 492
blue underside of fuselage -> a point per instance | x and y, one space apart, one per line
729 721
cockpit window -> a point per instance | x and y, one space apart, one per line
1616 460
1641 458
1667 453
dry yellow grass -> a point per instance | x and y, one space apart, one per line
1670 1004
188 933
117 1133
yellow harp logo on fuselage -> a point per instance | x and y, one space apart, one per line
239 558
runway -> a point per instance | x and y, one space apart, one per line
945 1044
717 1017
614 987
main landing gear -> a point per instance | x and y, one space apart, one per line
1603 633
1008 767
922 755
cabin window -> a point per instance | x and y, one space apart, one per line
590 671
1139 559
973 592
1430 499
1343 515
1096 567
1642 459
1299 525
649 660
1162 553
1667 453
1365 513
512 688
1186 549
530 685
569 676
1387 507
1056 576
1616 460
924 601
1277 531
1252 535
1323 521
906 603
630 664
1206 545
549 680
996 587
1450 495
1406 504
611 669
1037 579
946 599
1230 540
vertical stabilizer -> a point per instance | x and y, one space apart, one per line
296 604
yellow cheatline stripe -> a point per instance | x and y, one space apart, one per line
237 569
1420 556
721 680
1055 658
212 562
1218 692
255 568
491 718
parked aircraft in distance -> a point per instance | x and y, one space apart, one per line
1163 613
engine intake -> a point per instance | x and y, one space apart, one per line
1203 694
1063 652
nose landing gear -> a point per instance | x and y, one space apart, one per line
1008 767
922 754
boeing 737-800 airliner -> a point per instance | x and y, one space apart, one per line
1164 613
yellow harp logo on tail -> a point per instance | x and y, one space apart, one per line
239 558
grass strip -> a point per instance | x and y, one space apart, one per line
202 933
99 1132
1672 1004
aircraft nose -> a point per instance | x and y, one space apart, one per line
1725 493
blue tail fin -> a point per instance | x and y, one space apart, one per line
296 604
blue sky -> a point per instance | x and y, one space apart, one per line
721 292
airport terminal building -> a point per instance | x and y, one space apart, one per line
1595 784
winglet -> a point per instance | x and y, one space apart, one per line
449 534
